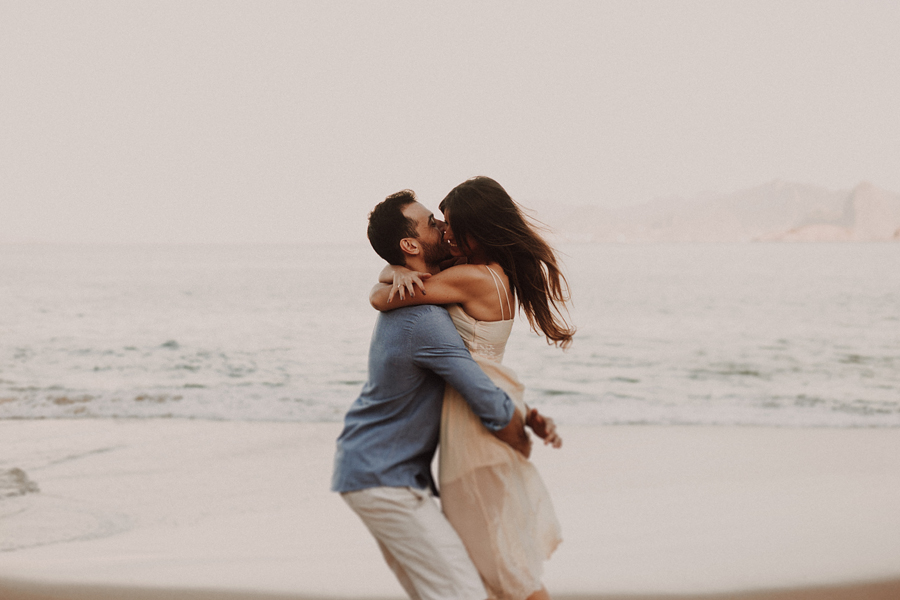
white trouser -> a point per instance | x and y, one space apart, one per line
418 543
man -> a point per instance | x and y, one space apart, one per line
384 454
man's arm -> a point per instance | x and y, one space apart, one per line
515 435
438 347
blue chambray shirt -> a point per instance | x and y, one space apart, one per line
391 431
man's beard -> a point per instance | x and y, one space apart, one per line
434 254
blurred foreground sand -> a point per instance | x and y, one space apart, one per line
243 510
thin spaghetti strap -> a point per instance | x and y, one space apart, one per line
497 285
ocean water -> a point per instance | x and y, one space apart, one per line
744 334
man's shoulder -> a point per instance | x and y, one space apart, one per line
426 311
426 324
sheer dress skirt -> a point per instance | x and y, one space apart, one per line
494 497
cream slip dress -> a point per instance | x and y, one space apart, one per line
492 495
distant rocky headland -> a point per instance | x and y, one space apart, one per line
775 212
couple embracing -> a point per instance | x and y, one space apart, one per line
435 375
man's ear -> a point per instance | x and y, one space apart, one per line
410 246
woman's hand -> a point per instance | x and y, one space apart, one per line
402 280
543 427
406 280
396 287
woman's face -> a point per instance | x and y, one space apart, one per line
449 239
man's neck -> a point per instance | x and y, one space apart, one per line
417 264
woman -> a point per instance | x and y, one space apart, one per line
491 494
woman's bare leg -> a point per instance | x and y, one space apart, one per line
541 594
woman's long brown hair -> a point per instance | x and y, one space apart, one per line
480 210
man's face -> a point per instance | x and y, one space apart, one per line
430 231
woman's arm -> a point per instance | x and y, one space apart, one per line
402 279
457 285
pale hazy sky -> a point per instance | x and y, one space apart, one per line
287 121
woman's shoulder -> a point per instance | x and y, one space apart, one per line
481 270
466 272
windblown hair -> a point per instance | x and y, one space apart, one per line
388 225
480 210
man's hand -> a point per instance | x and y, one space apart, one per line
515 435
543 427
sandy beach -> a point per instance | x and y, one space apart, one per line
16 590
199 509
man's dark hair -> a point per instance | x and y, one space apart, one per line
388 225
